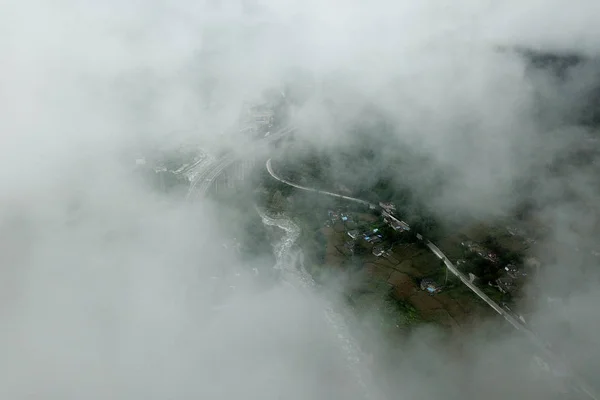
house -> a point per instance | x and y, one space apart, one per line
354 234
378 251
505 284
513 271
430 286
493 257
480 251
373 238
389 207
394 222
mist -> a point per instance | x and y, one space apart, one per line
107 288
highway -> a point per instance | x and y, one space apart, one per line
549 357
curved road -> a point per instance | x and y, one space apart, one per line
204 180
200 186
550 357
366 203
513 321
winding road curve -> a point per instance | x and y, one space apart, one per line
203 181
295 277
270 169
434 249
550 357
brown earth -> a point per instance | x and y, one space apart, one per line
377 272
404 287
406 265
424 302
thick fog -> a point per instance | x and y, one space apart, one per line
107 288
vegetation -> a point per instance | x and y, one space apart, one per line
409 313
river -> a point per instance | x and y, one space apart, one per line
290 265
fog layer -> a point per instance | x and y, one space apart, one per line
106 286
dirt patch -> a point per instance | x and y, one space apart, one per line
327 231
452 247
404 287
392 260
426 263
512 243
367 217
443 318
425 303
377 272
453 307
333 257
406 266
384 262
339 227
405 251
469 303
476 232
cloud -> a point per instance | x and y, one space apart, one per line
107 288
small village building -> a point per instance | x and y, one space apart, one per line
513 271
373 238
395 223
389 207
506 284
378 251
354 234
430 286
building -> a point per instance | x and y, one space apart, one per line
349 246
481 251
513 271
430 286
388 207
370 238
505 284
394 222
378 251
354 234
